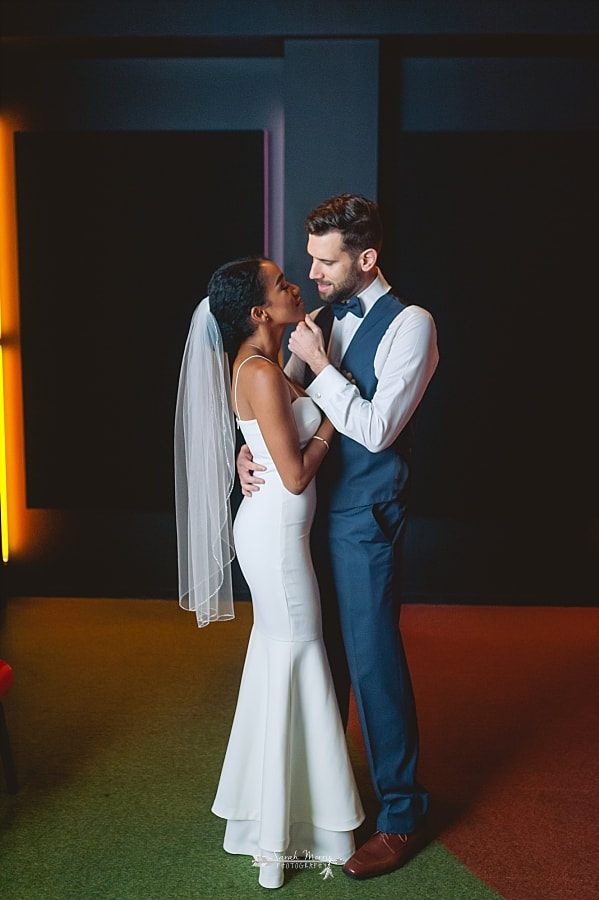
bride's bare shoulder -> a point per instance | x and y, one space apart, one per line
258 374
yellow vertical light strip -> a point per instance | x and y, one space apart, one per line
12 472
3 478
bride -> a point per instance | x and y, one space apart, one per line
286 785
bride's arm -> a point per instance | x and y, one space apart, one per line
271 406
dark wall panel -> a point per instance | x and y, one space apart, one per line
488 188
496 234
118 235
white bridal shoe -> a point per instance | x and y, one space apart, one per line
272 874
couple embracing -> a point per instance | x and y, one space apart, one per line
325 476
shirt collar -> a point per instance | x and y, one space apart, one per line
374 291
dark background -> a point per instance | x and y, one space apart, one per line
478 135
126 229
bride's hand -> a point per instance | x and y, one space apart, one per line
246 468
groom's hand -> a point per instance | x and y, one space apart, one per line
246 468
307 343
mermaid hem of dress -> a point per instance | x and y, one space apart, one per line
305 841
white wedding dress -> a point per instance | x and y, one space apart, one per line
287 784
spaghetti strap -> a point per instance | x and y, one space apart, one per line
255 356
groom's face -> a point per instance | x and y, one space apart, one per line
336 272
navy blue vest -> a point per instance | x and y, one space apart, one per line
351 475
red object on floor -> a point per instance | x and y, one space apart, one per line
6 677
10 775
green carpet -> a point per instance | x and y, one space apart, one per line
119 717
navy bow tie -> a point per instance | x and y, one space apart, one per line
352 306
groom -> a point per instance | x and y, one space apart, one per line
366 360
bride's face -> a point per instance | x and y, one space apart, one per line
282 298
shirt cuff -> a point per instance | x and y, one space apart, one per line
329 382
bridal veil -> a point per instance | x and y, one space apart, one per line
204 472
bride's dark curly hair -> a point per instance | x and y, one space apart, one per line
233 289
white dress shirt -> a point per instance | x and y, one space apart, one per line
404 363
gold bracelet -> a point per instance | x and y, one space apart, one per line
326 443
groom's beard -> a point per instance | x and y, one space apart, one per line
343 290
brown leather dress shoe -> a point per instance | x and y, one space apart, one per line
383 853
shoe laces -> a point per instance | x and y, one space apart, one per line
391 834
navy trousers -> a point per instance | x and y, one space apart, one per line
357 557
